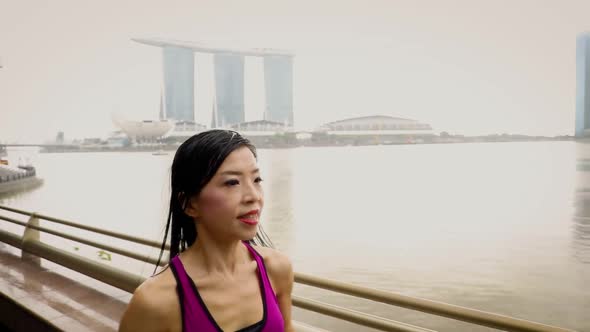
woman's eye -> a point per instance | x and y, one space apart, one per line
232 182
258 180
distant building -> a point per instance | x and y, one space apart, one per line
92 141
583 85
146 131
188 126
183 130
260 128
178 96
179 84
376 124
377 129
229 90
59 138
117 139
278 83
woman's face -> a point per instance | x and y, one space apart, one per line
229 205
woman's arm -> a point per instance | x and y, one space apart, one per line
281 272
284 296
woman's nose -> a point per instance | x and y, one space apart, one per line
252 193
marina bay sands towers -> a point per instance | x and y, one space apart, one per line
229 89
179 86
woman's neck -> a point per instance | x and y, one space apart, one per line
216 256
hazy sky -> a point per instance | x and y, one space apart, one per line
470 67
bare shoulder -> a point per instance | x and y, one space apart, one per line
274 260
154 306
279 268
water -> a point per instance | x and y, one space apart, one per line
501 227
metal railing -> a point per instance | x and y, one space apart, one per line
121 279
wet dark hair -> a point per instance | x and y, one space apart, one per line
196 161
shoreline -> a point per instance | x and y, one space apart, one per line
272 145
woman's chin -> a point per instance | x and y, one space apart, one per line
247 236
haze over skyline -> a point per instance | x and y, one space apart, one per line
466 67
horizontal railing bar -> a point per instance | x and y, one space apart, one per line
89 228
11 239
356 317
437 308
119 251
107 274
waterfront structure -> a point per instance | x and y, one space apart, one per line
376 124
183 130
179 70
583 85
117 140
260 128
267 134
145 131
375 129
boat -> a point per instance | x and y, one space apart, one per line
21 177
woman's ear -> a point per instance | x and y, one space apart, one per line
190 207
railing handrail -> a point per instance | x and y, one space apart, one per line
428 306
119 251
88 228
367 320
432 307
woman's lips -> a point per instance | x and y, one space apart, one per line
249 221
250 218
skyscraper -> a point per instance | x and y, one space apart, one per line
178 93
229 89
583 84
179 86
278 84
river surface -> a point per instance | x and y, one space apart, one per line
501 227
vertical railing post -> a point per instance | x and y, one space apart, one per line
31 235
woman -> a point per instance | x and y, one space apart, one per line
216 280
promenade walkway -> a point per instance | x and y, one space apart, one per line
55 297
